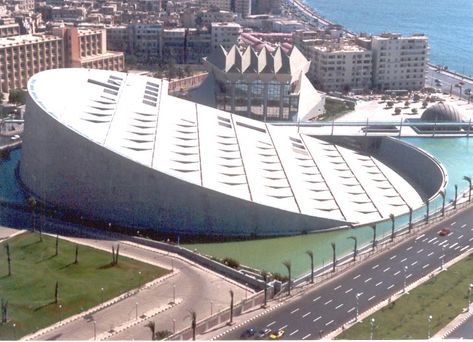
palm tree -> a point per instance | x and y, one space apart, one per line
468 179
311 256
355 247
427 203
374 236
152 326
7 247
287 263
442 193
391 216
231 307
410 218
56 292
334 257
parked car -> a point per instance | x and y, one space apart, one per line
444 231
248 333
276 335
262 333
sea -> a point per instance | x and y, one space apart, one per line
447 23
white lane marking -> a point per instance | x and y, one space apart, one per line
471 229
356 277
458 247
431 240
409 248
461 250
349 290
294 332
306 337
420 237
367 280
443 243
423 240
409 275
456 243
360 293
453 223
425 266
375 267
430 253
315 320
435 242
338 306
460 237
283 327
294 311
379 283
420 250
390 287
394 256
328 302
328 323
372 297
270 324
415 262
353 308
339 286
397 273
463 225
470 239
403 259
305 315
386 269
316 299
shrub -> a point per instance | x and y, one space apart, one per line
230 262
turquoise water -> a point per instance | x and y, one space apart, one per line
449 24
455 153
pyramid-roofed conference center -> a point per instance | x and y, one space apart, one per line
115 147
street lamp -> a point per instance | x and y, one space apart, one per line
372 328
139 274
357 296
174 293
469 297
60 312
211 308
443 257
405 272
430 322
14 331
136 310
95 330
173 326
101 289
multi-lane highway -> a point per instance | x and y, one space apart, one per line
327 307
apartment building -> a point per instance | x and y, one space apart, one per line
207 17
25 55
240 7
399 62
338 65
225 34
144 40
117 38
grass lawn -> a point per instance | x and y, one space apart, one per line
35 270
443 297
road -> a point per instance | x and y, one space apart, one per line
326 308
464 331
448 82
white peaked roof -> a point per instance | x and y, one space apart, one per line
134 117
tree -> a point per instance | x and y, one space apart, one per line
193 324
265 275
231 308
391 216
288 266
4 311
397 110
17 96
410 218
311 256
152 326
455 199
57 245
427 209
